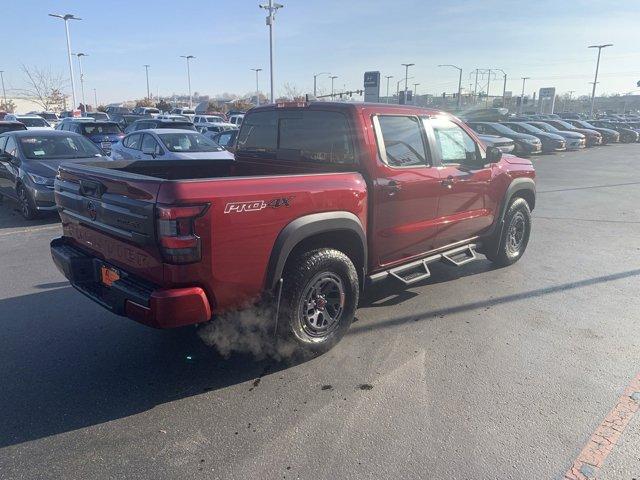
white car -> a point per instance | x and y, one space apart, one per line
175 118
215 127
187 112
202 119
32 122
236 119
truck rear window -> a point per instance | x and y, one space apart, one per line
309 136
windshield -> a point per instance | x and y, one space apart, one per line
96 128
212 119
57 147
33 121
11 127
529 128
546 127
49 116
501 128
188 142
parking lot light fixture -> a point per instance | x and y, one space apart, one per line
406 78
388 77
332 77
315 77
95 98
66 17
524 79
257 86
4 92
459 81
415 94
146 69
271 8
187 58
80 55
595 80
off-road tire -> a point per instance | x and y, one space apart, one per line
302 273
514 237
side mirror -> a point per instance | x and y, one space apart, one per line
493 154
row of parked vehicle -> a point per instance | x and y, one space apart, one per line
533 134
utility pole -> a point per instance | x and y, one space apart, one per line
146 68
595 80
504 87
4 92
388 77
524 79
188 57
271 8
460 82
95 98
332 77
66 17
406 78
315 78
257 86
475 89
80 55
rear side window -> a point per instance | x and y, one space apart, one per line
315 136
402 143
259 133
132 141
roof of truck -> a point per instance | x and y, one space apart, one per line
386 107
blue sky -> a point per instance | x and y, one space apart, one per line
544 40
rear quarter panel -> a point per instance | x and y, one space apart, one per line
244 218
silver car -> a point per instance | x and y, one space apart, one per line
168 144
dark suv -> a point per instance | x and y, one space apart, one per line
149 123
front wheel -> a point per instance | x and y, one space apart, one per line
27 205
514 237
319 300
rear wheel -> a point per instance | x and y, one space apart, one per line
515 234
319 300
27 205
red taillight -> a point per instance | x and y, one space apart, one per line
176 233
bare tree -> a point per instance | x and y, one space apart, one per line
44 87
9 106
291 92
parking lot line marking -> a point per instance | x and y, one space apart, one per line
588 187
606 435
596 220
29 230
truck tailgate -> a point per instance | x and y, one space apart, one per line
111 215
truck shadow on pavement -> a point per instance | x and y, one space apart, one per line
10 216
65 364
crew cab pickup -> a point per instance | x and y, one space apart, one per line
321 201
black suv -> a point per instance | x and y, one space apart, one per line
147 123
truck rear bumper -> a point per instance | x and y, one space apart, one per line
130 296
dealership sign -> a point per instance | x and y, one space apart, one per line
372 86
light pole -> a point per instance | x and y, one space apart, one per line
80 55
188 57
257 86
315 76
524 79
415 93
332 77
146 71
398 86
388 77
459 81
595 80
406 78
271 8
504 86
95 98
66 17
4 92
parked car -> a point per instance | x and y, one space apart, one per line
225 139
236 119
104 117
592 136
146 111
608 134
125 120
187 112
215 127
203 119
114 110
551 142
32 122
573 139
6 126
627 135
51 118
148 123
316 205
103 134
29 161
174 117
505 145
168 144
571 116
487 115
525 144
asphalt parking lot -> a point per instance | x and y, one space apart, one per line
477 373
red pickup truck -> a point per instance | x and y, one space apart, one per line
322 200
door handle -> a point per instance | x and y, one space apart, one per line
447 182
392 187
